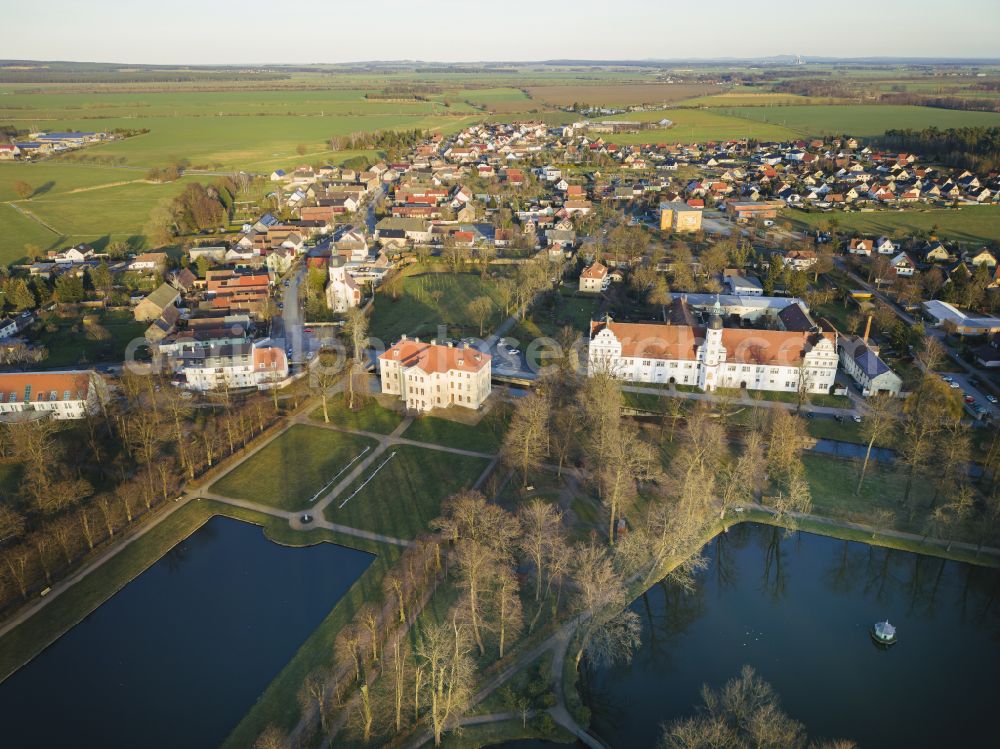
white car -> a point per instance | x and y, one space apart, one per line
953 385
513 351
991 399
857 419
946 378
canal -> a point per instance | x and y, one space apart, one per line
798 608
178 656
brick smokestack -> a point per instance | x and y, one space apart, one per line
868 329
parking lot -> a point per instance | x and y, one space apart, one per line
970 390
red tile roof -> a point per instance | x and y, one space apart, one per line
45 383
435 358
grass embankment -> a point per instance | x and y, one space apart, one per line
404 495
289 471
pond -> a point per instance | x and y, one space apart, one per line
798 608
179 655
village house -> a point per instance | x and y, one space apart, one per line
594 279
152 306
862 362
429 375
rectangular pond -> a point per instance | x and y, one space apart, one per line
178 656
799 609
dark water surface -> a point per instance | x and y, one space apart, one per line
798 609
178 656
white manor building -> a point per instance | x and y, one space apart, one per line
428 375
342 291
712 357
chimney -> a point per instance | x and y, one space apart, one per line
868 329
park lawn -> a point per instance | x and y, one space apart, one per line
698 125
832 482
19 231
484 437
402 497
974 224
292 468
861 119
372 416
846 431
68 347
418 313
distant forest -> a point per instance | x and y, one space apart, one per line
974 148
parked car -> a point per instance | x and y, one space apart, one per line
857 419
991 398
969 399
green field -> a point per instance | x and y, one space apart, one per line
975 224
861 119
406 494
754 99
316 454
418 313
695 126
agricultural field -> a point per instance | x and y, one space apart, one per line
755 99
973 224
62 215
861 119
620 95
697 125
497 100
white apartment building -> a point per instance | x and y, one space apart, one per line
233 366
712 357
64 395
595 278
428 375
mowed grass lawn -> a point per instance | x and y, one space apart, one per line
484 437
406 494
293 467
432 299
372 416
861 119
966 224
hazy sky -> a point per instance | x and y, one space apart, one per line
201 31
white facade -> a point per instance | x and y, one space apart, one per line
715 357
232 367
427 375
63 395
342 292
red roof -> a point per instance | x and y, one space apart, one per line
43 384
435 358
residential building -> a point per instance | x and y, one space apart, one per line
152 307
594 279
229 366
680 217
862 362
713 356
63 395
429 375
